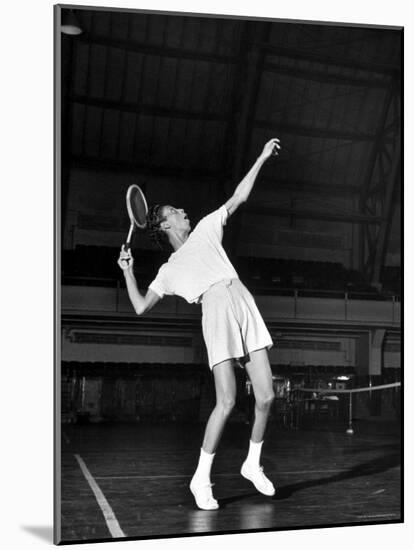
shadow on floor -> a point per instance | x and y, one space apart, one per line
369 448
223 502
372 467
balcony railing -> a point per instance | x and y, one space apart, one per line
106 296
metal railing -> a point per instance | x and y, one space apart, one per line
109 295
271 290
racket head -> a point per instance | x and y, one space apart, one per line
137 206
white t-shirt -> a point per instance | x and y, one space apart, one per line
199 263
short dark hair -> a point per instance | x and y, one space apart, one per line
156 233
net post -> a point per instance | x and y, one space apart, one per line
350 430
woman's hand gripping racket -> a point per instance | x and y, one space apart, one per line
125 260
137 211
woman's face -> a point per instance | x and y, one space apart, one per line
176 218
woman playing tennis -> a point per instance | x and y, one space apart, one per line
200 272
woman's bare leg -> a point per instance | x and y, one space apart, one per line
225 383
260 374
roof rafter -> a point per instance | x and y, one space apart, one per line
306 55
311 186
148 49
184 173
323 76
312 214
153 110
310 131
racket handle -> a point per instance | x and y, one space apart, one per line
127 245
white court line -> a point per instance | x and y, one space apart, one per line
110 518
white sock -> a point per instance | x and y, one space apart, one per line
202 473
253 458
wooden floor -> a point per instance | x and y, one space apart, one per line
140 476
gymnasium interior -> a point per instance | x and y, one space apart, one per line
182 106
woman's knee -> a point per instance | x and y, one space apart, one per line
226 403
264 402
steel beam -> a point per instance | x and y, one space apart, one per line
306 55
325 77
378 138
162 51
152 110
375 151
310 186
68 65
383 234
237 99
249 90
184 173
312 214
323 133
282 51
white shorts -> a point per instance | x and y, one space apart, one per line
232 324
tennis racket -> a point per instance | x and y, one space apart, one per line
137 211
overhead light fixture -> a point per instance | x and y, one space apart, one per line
343 378
69 23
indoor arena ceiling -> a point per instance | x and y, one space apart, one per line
197 97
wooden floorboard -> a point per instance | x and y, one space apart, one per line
323 477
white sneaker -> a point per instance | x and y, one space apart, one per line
256 476
203 495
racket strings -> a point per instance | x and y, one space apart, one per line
137 206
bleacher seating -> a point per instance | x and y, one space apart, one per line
97 265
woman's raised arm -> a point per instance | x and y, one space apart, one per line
242 191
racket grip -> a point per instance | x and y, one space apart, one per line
127 245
